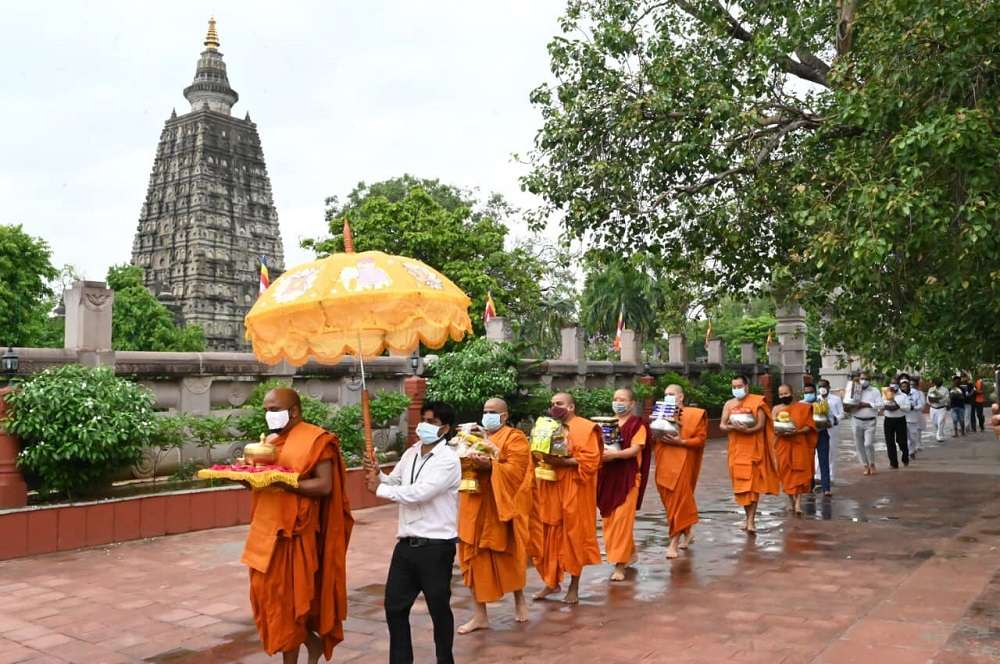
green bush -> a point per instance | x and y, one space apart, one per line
79 425
253 424
466 378
347 423
594 402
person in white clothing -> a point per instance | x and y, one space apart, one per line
864 417
937 397
835 415
894 425
425 484
915 415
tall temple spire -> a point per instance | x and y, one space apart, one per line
211 84
212 38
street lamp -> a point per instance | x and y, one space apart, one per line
9 362
415 362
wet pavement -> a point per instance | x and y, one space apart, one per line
897 568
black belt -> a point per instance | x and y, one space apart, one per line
864 419
937 407
425 541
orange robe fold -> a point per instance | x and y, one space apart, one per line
564 512
677 470
493 529
619 541
794 454
751 460
297 549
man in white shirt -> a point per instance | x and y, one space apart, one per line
425 484
835 413
894 425
915 415
937 397
863 423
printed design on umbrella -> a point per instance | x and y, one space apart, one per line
423 275
365 276
294 285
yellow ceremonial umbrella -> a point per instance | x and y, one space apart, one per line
356 304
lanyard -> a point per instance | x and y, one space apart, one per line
414 469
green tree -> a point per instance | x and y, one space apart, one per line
140 322
447 229
838 153
25 294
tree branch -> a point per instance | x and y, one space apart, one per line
845 26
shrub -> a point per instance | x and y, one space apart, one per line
170 434
347 423
79 425
253 424
594 402
206 431
480 370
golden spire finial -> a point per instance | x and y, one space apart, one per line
212 38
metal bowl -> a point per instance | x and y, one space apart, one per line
663 426
746 419
784 426
260 454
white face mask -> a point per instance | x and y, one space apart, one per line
823 391
428 433
276 419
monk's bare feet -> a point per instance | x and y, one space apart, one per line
751 528
545 592
571 597
746 522
314 648
619 573
798 505
687 539
476 623
672 548
520 608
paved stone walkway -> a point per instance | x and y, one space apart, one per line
898 568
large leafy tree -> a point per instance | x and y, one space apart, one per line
837 153
446 228
25 294
140 322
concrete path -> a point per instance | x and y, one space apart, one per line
901 567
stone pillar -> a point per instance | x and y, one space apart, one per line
13 490
716 351
677 349
196 395
414 387
748 354
791 329
498 329
835 367
774 354
88 322
573 349
631 351
647 403
765 382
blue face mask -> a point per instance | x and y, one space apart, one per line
491 421
739 392
809 397
428 433
619 407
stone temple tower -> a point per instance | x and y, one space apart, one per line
209 217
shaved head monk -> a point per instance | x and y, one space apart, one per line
297 545
620 483
794 448
747 420
564 511
493 531
678 461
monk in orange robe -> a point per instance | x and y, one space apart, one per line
621 481
564 511
297 545
493 532
794 450
678 460
751 460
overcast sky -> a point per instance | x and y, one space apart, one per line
340 91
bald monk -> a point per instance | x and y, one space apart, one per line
751 460
297 545
678 460
620 482
563 514
493 532
794 450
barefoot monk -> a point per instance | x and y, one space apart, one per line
795 443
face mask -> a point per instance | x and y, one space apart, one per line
739 392
428 433
619 407
824 391
864 382
670 400
557 412
785 400
276 419
492 421
809 397
905 388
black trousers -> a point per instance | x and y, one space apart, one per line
895 434
977 415
420 569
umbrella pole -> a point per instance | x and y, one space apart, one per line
366 414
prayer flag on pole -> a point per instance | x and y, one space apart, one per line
265 279
708 333
769 339
490 312
621 326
